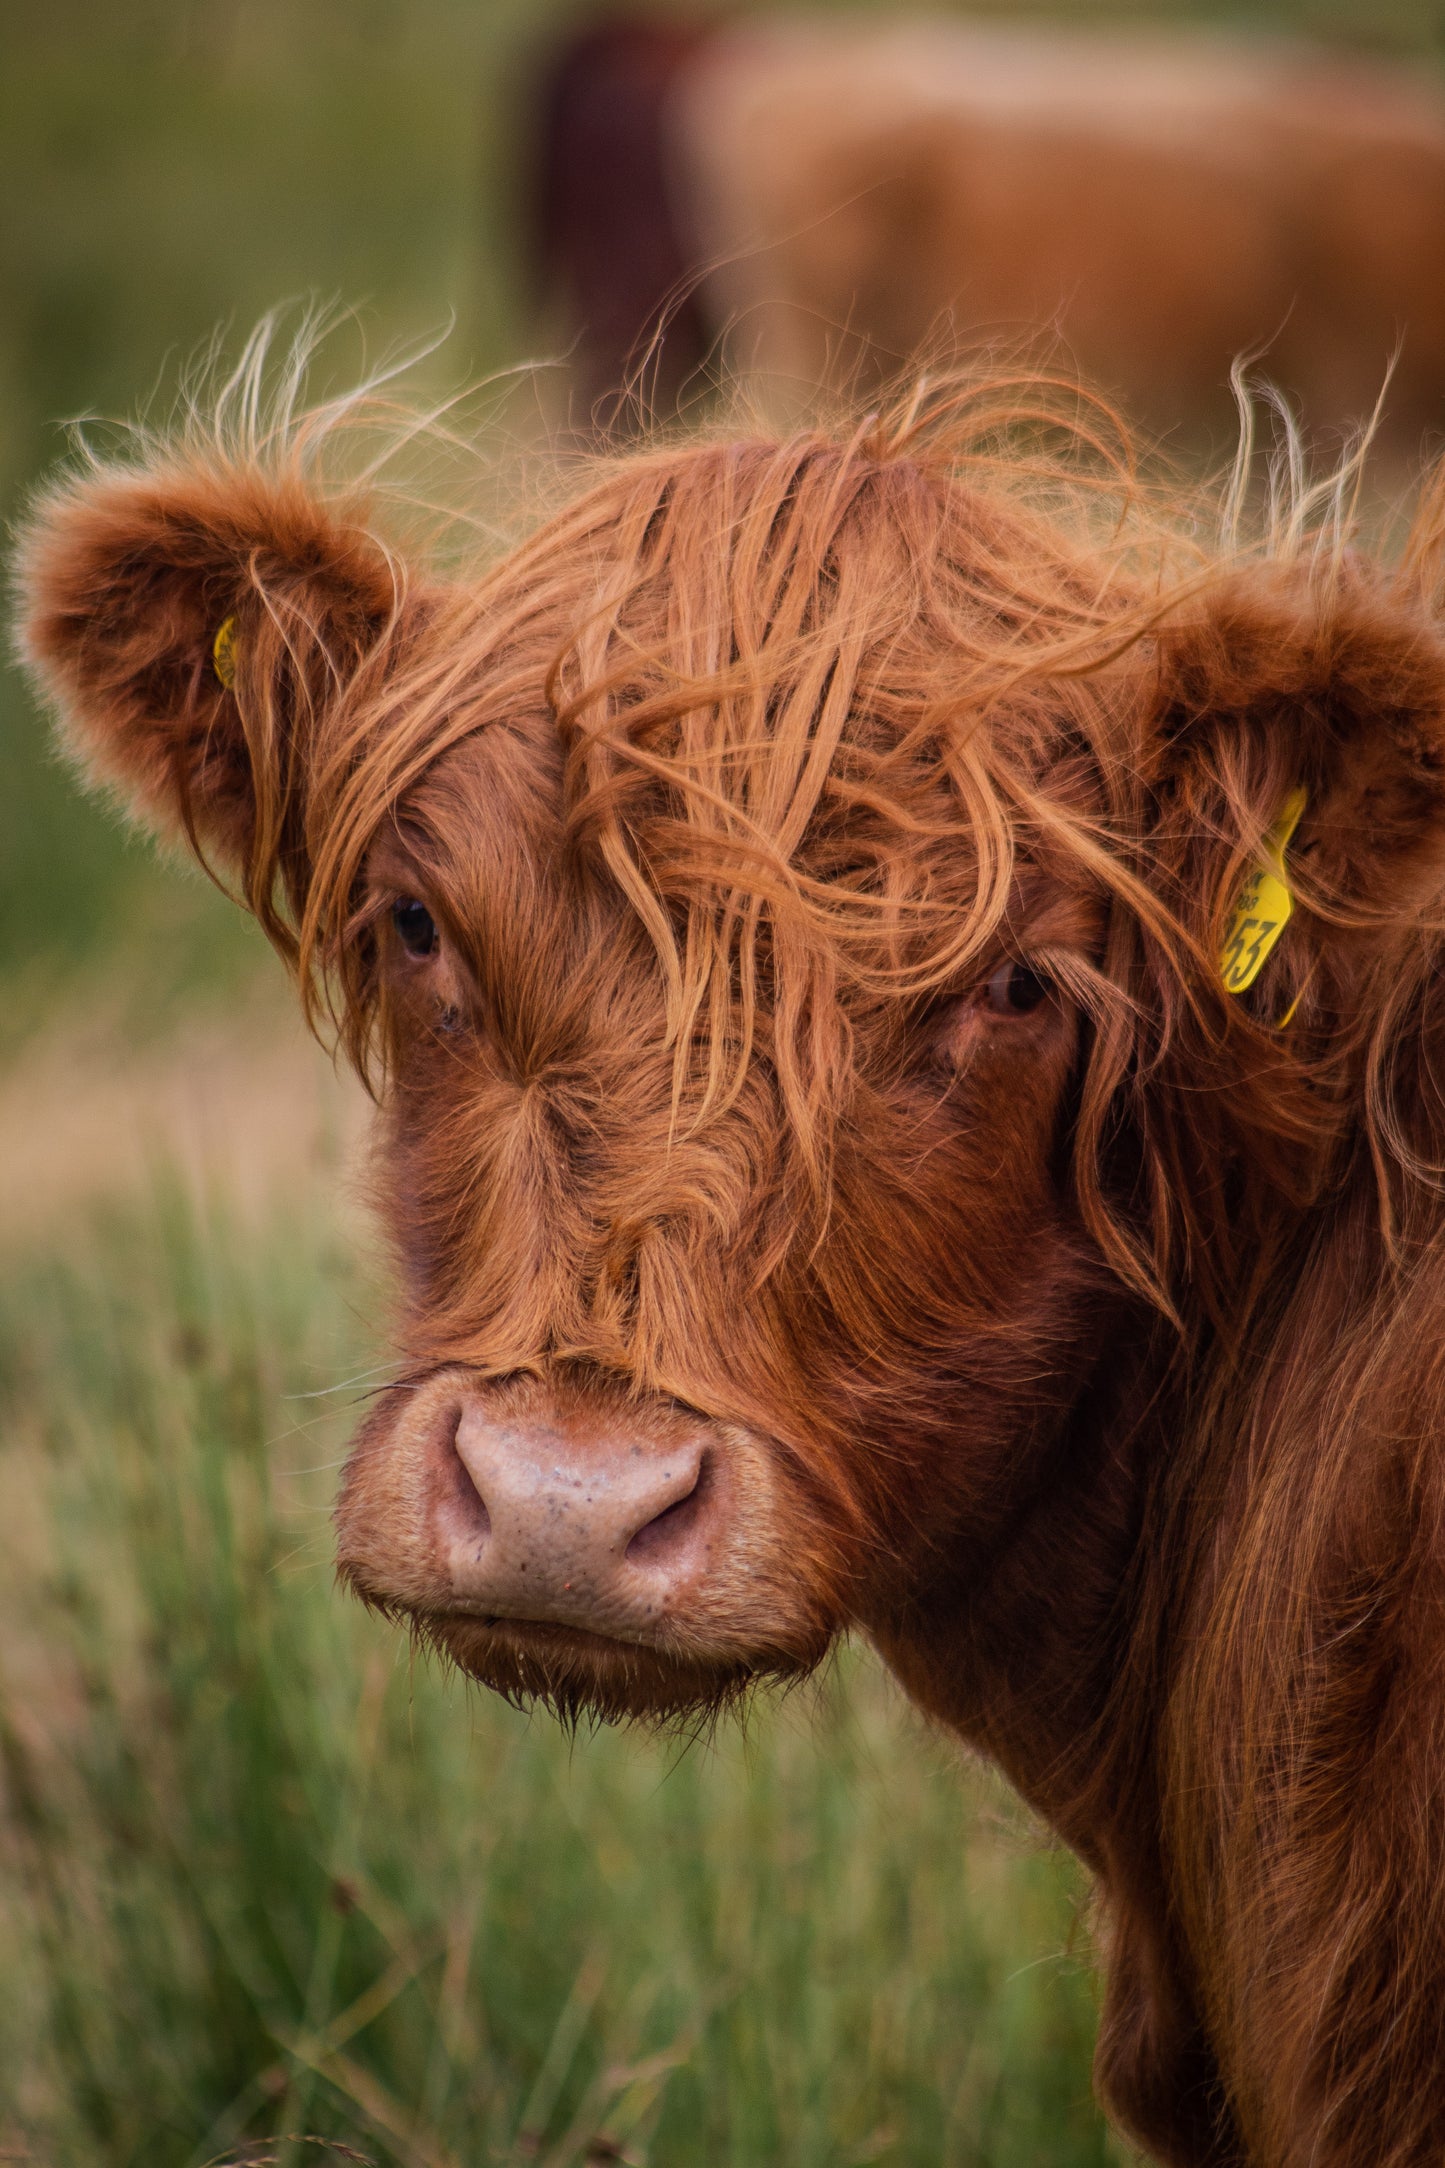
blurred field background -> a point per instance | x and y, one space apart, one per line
258 1874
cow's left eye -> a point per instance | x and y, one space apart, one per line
1014 990
415 926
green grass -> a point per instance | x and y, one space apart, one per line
267 1875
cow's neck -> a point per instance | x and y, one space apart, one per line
1054 1657
1060 1663
1024 1661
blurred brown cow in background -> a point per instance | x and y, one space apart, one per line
828 199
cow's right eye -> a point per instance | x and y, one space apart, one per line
1014 990
415 926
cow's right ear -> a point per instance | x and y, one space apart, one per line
129 576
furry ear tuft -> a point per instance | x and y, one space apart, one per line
126 575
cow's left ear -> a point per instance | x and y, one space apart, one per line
195 622
1273 703
1313 707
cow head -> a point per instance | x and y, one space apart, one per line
778 907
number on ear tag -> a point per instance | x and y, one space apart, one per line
1262 909
223 654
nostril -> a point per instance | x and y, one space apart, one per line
667 1531
466 1493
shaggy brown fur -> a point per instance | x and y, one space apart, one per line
1086 1348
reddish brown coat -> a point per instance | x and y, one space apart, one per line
824 1056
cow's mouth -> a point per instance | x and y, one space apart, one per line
577 1673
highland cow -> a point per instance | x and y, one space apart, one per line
824 196
907 1014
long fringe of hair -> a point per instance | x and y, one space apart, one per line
822 699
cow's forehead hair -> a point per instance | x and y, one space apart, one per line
801 686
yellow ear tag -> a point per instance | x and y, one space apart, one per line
1262 909
223 653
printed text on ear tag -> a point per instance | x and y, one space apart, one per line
223 653
1263 906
